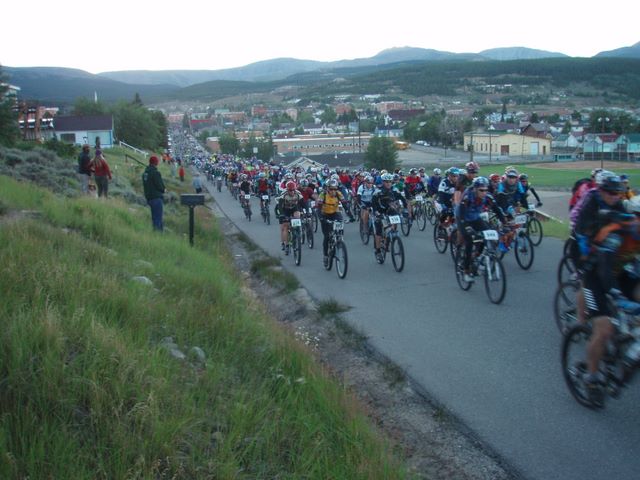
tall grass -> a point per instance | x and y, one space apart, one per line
88 391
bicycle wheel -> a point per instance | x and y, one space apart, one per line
495 280
431 214
331 250
405 226
534 230
453 244
564 306
397 254
297 248
314 218
440 238
567 270
309 234
342 260
364 232
524 251
574 363
459 270
420 218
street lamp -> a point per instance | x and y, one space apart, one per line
602 120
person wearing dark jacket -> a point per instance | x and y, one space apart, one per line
153 191
84 168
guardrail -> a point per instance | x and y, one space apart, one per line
131 147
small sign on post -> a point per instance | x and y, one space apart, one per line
191 200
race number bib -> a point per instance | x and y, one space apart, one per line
296 222
394 219
337 226
521 219
265 197
490 234
247 197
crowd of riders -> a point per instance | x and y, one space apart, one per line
604 218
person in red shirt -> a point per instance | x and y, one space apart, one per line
181 173
102 174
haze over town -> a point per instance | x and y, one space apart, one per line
195 34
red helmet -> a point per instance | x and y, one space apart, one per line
291 185
472 167
494 177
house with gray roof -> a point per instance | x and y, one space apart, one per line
81 129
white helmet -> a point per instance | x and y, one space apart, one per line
633 204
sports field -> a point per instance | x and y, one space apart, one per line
563 175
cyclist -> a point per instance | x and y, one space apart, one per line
613 269
364 196
434 182
628 193
474 201
509 191
445 192
262 187
494 181
245 188
412 187
290 203
526 186
328 206
465 180
384 201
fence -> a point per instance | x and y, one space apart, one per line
130 147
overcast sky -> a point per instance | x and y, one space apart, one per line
200 34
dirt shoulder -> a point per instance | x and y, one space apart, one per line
432 442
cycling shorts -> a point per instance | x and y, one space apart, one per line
595 297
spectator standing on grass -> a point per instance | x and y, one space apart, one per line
174 169
84 168
102 174
197 183
181 173
153 191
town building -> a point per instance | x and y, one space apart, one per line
80 130
317 144
501 144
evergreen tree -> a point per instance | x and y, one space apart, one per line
381 154
9 131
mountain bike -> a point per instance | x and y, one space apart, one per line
442 232
295 239
486 262
307 226
619 363
534 226
366 228
337 250
514 237
391 241
419 212
264 209
431 211
246 205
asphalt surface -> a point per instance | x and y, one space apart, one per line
495 367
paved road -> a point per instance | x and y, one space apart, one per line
495 367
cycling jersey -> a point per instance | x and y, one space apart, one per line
434 184
290 201
383 198
471 206
507 195
366 193
330 203
445 193
263 185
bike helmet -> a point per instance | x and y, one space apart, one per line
523 176
262 175
452 171
387 177
382 172
512 173
288 176
304 182
602 174
480 182
612 184
472 167
291 185
413 171
437 171
332 184
595 172
368 179
494 177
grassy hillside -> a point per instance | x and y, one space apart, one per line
90 387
